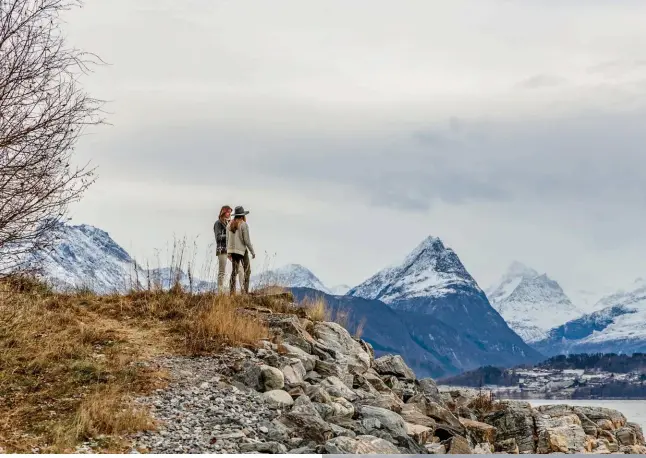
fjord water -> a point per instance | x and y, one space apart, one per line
633 410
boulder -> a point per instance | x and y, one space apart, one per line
428 387
336 388
330 368
420 434
480 432
609 437
292 351
626 436
394 365
385 401
559 410
639 433
348 350
602 413
392 424
458 445
506 446
412 414
278 398
305 421
514 420
434 410
484 448
291 330
318 394
562 434
341 431
378 384
435 449
342 408
294 372
359 445
271 378
600 446
633 449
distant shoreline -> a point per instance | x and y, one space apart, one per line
502 393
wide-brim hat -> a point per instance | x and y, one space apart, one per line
240 211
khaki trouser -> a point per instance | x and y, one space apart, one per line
238 259
222 265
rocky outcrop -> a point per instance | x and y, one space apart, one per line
322 391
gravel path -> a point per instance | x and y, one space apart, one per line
203 413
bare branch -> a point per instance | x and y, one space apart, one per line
43 112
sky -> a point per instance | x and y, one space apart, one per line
353 130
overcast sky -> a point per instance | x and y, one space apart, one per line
352 130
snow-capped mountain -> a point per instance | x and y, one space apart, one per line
289 276
87 257
339 290
433 282
618 327
430 270
531 303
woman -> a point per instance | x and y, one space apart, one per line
238 248
220 229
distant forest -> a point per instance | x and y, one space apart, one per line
608 362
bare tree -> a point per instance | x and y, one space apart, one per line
43 111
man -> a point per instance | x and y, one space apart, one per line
220 230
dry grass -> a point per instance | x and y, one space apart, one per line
483 404
316 309
70 363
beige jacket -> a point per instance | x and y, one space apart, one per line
239 241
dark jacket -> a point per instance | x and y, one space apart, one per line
220 237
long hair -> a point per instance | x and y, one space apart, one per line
237 221
223 210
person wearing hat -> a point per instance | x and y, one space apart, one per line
220 230
238 248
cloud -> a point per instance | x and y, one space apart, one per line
542 81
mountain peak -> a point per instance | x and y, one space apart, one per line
518 269
429 270
290 276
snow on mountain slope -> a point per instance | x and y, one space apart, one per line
290 276
430 270
530 303
87 257
619 327
339 290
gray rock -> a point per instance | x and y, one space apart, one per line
375 380
305 421
393 424
336 388
331 368
560 410
318 394
384 400
294 373
435 449
348 350
458 445
429 407
263 447
359 445
562 434
508 446
412 414
342 407
514 420
341 431
626 436
394 365
308 361
271 378
279 398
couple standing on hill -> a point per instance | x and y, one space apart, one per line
233 243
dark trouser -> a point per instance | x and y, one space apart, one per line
236 259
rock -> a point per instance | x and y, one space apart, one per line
559 410
394 365
294 373
305 421
348 350
308 361
361 383
341 431
514 420
608 436
605 425
435 449
313 377
278 397
385 401
342 407
325 411
263 447
428 387
360 445
308 450
291 330
484 448
412 414
330 369
639 433
336 388
250 375
600 446
420 434
318 394
377 383
601 413
562 434
481 432
458 445
391 423
626 436
633 449
434 410
271 378
347 423
278 431
506 446
296 392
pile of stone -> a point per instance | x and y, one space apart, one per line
315 389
